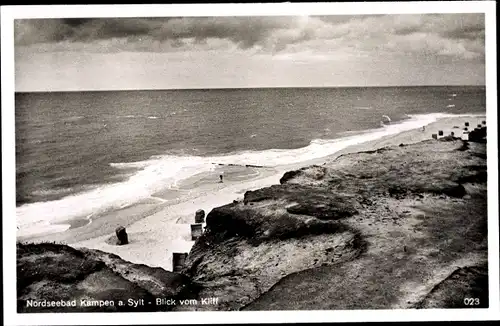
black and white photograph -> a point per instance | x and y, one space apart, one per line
268 160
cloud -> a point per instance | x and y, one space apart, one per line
457 35
27 32
244 31
449 35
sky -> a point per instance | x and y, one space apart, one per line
77 54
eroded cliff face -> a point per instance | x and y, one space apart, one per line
92 280
368 230
399 227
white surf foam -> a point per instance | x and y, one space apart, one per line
154 175
161 172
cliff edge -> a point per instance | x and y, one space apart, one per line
398 227
58 278
378 229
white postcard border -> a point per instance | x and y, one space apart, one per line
10 13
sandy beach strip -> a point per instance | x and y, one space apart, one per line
166 229
406 137
154 238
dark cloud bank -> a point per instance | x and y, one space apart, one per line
461 33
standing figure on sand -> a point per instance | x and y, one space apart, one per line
387 120
221 176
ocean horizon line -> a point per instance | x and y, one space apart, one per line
239 88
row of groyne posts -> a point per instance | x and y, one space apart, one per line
179 258
475 135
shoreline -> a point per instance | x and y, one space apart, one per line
156 230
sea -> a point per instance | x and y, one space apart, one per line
78 153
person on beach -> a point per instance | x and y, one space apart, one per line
221 178
423 128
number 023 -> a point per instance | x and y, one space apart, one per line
471 301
